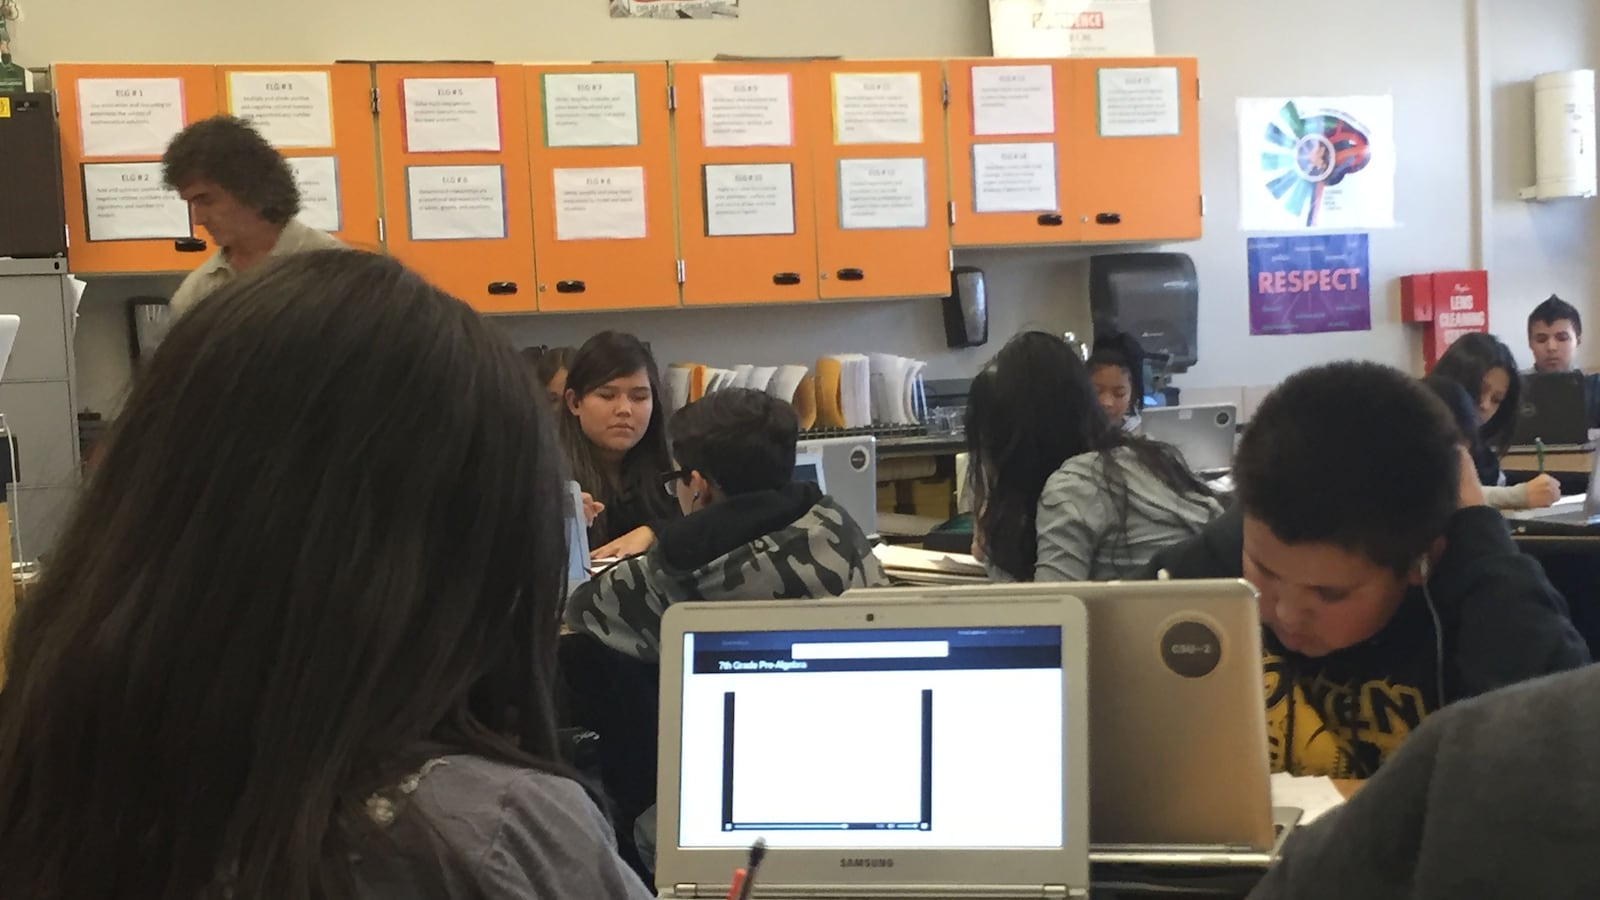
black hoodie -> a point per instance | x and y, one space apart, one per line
1494 614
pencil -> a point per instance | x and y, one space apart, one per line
1538 448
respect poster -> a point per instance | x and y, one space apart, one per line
1316 163
1309 284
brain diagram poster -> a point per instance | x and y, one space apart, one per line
1316 163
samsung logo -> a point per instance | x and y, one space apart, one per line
870 862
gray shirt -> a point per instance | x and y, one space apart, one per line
496 832
1491 797
216 271
1081 530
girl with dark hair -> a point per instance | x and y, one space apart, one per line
1537 493
1062 494
1483 365
615 438
1117 369
549 365
298 638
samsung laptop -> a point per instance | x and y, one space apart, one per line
1179 768
886 748
1205 435
1555 410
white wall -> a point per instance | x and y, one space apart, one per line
1422 51
1536 249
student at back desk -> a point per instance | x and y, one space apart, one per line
1387 588
1555 331
1484 366
1537 493
1063 494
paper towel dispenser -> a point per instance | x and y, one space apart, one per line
1155 297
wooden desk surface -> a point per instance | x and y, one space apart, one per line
1564 463
1347 786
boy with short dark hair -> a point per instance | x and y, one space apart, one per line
1387 588
1555 330
748 531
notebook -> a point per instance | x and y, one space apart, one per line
1179 772
1575 515
887 748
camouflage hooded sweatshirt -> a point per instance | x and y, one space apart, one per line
788 544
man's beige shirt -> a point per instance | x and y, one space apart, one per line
215 272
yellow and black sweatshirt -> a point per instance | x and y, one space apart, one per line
1493 613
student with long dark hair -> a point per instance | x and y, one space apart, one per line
615 439
298 638
1062 494
1483 365
1536 493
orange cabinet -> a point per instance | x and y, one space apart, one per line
1011 160
747 221
882 186
320 118
604 216
453 150
116 121
1135 129
1073 151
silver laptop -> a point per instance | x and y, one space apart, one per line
577 536
1205 435
1179 771
887 748
849 474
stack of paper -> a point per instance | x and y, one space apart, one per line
1313 795
918 566
894 388
794 384
719 379
761 378
844 391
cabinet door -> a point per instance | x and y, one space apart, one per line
1010 157
747 221
1136 145
453 145
882 179
604 216
116 121
320 118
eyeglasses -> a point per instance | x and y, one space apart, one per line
671 480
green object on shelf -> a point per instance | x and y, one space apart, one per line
13 78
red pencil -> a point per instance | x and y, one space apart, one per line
738 885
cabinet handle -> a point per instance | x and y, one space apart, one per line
502 287
189 245
1108 219
851 275
571 287
1051 219
786 278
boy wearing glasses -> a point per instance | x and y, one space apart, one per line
748 532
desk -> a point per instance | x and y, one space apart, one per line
1347 786
1579 463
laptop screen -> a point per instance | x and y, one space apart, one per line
873 738
808 468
